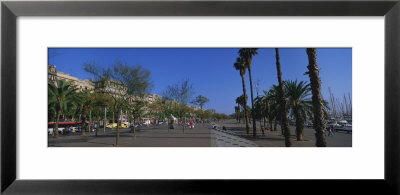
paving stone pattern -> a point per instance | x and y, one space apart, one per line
223 138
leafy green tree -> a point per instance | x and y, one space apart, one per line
61 96
136 110
180 93
167 109
101 101
200 101
155 111
130 81
247 54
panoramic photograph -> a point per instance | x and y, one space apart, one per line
199 97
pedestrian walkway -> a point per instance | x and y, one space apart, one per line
223 138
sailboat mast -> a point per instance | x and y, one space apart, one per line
332 103
351 106
345 103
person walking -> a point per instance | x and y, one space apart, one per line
191 124
330 131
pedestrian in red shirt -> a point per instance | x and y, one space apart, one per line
191 124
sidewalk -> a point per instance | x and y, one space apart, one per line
234 136
146 137
276 139
223 138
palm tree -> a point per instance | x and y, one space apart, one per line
299 103
86 101
272 105
317 101
282 102
61 96
241 100
241 66
237 113
260 110
247 54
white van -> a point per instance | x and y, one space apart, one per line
51 131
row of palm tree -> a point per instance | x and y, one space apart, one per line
298 105
65 99
288 97
243 62
61 97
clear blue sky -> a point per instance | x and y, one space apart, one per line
211 70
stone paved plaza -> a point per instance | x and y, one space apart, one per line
234 136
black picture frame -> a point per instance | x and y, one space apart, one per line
10 10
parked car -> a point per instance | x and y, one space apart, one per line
309 124
146 123
61 130
74 129
114 125
333 124
111 125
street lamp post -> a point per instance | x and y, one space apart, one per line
105 118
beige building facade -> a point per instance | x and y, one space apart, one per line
80 84
109 86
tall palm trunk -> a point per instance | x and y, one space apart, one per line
299 125
245 105
252 101
315 82
282 101
55 130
